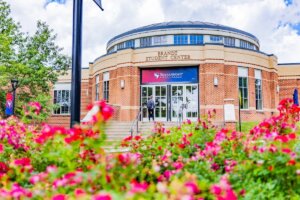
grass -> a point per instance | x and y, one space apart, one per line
246 126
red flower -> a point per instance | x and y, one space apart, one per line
286 150
270 168
3 168
22 162
292 136
291 162
282 138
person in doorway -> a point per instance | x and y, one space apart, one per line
150 107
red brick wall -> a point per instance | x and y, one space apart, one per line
227 75
126 101
287 87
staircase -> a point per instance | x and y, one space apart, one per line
116 131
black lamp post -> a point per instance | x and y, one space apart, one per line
76 60
14 85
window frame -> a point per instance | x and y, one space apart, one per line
97 87
129 44
106 86
229 41
196 39
160 40
213 39
181 39
62 88
241 88
145 41
258 89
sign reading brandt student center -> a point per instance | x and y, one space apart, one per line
167 55
170 75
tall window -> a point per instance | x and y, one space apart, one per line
129 44
258 89
196 39
111 49
246 45
106 86
216 39
243 87
180 39
160 40
97 87
62 99
120 46
229 41
145 42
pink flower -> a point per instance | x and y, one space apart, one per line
1 148
167 174
273 148
78 192
17 192
216 190
102 197
178 165
137 187
105 109
192 187
59 197
223 190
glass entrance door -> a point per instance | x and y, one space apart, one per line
182 98
184 102
160 111
159 95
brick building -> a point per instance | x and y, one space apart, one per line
188 68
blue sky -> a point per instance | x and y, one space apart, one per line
276 23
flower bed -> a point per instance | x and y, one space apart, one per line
193 161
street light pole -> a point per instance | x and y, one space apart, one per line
76 62
14 85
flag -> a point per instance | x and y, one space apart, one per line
295 97
98 2
9 104
52 1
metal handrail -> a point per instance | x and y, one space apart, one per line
136 121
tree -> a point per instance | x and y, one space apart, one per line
35 60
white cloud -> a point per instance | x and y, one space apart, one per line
267 19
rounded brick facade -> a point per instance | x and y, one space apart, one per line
229 68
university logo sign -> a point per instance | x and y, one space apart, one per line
170 75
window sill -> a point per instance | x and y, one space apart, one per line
60 115
260 111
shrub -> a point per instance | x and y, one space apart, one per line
193 161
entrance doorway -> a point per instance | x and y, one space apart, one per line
174 102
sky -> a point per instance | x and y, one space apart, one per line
276 23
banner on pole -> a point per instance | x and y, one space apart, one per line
9 104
